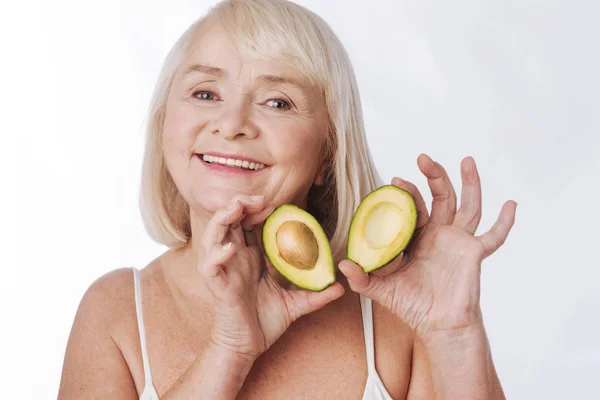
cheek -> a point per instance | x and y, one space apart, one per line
178 141
179 134
297 153
294 143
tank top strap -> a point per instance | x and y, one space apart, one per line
149 391
366 307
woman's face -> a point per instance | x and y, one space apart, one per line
251 113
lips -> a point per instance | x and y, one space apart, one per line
232 162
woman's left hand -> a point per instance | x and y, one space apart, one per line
434 284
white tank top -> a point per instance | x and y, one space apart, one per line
374 388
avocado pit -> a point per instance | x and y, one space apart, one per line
297 245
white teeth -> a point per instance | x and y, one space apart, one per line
233 162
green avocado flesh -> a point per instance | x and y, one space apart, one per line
381 227
298 248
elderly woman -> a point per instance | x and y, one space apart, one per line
257 106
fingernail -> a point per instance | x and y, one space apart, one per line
232 205
257 197
226 246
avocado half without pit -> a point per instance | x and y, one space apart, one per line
298 248
381 227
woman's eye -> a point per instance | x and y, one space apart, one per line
275 103
280 104
204 95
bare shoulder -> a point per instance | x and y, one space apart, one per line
110 299
94 365
111 292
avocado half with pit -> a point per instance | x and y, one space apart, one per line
381 227
298 248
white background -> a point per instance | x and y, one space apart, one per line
513 83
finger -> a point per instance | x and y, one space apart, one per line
252 204
469 213
211 267
391 267
304 301
369 285
254 210
258 261
258 217
444 196
236 235
422 212
219 224
250 223
496 236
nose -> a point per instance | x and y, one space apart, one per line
235 122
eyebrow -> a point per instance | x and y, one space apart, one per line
205 69
220 73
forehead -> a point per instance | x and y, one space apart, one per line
211 45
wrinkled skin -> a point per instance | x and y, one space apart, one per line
434 285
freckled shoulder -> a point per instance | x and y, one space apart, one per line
96 363
112 296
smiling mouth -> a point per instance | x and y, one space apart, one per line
232 162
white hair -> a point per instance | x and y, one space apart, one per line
283 31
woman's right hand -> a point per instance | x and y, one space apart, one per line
251 309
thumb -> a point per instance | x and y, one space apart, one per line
369 285
304 301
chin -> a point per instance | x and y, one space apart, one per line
212 199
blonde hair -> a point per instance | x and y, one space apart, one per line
283 31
